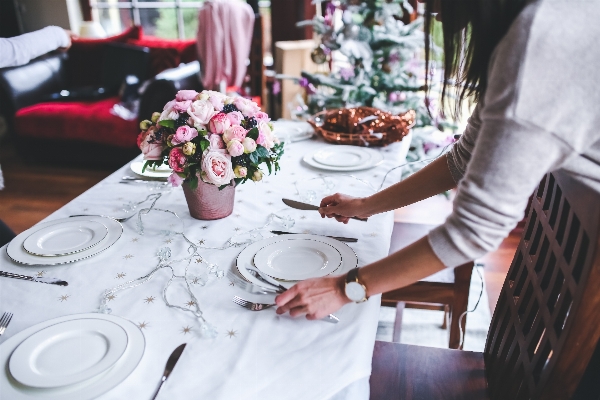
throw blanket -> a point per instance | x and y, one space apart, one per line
224 36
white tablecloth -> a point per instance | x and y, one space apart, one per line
256 355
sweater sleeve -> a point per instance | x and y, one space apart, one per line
459 155
22 49
506 166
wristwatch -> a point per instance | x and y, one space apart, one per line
355 290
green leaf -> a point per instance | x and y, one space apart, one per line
204 145
262 151
253 133
254 157
268 162
169 123
194 183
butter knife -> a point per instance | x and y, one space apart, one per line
305 206
340 238
50 281
173 358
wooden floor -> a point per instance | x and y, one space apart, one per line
32 192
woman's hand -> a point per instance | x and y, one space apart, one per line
342 207
317 298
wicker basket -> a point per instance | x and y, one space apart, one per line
362 126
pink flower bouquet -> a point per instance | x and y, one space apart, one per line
219 138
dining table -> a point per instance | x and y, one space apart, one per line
252 354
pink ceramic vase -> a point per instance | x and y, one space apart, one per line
207 202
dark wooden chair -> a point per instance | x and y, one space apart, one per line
446 291
546 324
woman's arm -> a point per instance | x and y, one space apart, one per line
431 180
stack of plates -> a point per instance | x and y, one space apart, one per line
292 131
64 240
343 158
293 258
161 172
75 357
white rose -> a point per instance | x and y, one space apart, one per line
201 111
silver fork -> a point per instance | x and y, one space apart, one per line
106 216
262 306
250 305
4 321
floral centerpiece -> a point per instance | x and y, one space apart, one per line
220 138
210 138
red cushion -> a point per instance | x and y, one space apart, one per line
165 54
84 67
78 121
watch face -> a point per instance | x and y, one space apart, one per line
355 291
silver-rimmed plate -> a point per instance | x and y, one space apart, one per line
67 353
86 390
246 256
298 259
16 252
64 238
342 158
161 172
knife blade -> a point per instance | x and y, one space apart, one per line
309 207
173 358
50 281
340 238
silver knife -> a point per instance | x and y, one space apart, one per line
305 206
173 358
340 238
50 281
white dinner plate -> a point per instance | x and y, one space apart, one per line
65 238
342 156
246 256
90 389
297 259
161 172
294 131
16 252
67 353
337 151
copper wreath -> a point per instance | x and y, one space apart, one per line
378 128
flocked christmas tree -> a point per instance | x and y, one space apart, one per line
376 56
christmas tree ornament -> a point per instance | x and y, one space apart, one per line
318 55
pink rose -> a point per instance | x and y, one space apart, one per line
249 145
234 133
262 116
151 148
247 107
201 112
235 117
217 168
216 142
235 148
217 99
219 123
169 111
177 159
185 95
175 180
182 106
183 134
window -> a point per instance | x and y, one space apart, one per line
168 19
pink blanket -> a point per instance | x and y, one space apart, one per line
225 30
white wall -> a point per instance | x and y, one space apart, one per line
37 14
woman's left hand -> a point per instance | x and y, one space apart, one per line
317 298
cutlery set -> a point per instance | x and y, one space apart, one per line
50 281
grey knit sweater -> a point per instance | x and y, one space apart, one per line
541 113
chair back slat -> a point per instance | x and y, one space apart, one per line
547 320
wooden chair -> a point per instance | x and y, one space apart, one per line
446 291
546 324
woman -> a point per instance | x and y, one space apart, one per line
531 67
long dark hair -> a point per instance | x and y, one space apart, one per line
467 51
